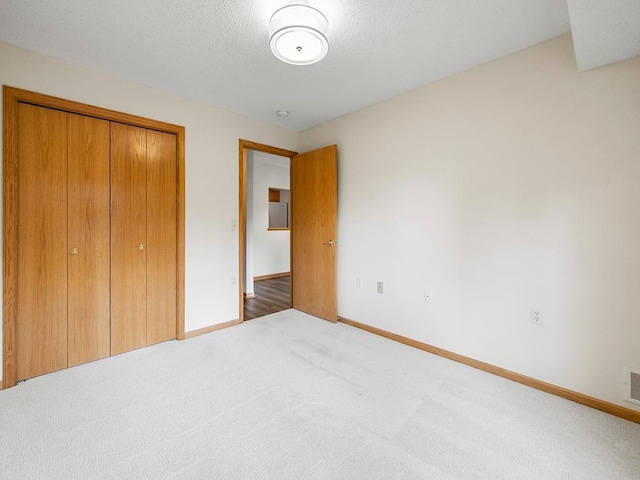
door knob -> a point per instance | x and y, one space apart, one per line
140 247
331 243
74 251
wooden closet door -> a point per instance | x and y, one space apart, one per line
161 236
41 322
128 237
88 247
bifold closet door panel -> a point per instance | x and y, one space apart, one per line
128 237
161 236
89 326
41 323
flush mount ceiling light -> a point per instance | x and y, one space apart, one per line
298 33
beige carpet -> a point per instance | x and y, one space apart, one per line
289 396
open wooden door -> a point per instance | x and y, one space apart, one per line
314 225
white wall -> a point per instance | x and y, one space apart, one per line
212 137
248 253
270 248
510 186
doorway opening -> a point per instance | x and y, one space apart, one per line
265 249
271 295
313 228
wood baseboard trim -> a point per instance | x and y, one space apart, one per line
580 398
212 328
269 277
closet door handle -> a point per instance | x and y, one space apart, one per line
141 247
74 251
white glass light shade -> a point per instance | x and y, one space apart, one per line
298 34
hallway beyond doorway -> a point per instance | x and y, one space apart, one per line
272 295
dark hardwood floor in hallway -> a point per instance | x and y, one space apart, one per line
273 295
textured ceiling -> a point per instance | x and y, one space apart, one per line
217 51
604 31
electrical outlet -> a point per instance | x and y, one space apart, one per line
380 287
233 280
428 296
358 282
536 316
234 225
